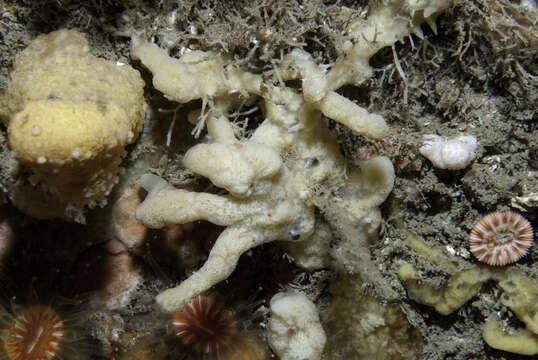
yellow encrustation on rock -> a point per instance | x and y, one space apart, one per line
70 115
519 293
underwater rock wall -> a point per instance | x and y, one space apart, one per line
273 137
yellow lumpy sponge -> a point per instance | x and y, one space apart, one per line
71 114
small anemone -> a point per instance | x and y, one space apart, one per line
213 331
501 238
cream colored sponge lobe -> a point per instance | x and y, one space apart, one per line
71 114
294 330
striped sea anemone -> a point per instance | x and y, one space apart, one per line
215 332
42 331
501 238
35 333
205 324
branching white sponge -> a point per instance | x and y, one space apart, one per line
288 167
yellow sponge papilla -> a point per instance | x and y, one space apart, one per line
72 114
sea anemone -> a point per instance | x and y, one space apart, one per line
40 332
501 238
34 334
205 324
213 331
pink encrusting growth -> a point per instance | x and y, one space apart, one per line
501 238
